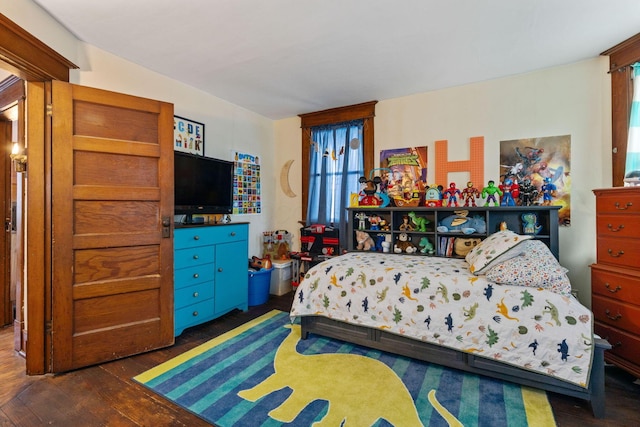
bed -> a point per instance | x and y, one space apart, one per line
504 311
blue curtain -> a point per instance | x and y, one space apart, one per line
632 165
335 165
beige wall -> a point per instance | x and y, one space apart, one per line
573 100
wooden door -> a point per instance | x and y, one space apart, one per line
111 232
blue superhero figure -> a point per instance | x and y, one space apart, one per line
548 191
510 191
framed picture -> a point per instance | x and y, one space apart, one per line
188 136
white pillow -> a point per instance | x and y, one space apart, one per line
497 247
536 268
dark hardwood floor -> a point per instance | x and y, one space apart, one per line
105 395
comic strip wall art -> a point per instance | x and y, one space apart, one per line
246 185
545 163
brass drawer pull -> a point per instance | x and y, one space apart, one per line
618 228
627 206
613 291
610 317
610 251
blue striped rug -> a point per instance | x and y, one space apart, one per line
245 378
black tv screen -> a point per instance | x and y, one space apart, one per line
203 185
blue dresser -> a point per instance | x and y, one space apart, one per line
210 272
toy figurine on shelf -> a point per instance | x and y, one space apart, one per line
369 193
528 193
489 192
365 241
406 225
419 221
452 194
530 224
548 191
362 218
374 222
510 191
470 194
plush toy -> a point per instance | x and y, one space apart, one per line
404 244
462 246
460 221
365 242
260 263
386 245
426 247
419 221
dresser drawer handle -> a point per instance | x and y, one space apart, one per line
196 295
196 275
615 255
233 233
613 291
195 314
220 270
196 257
196 237
617 344
610 317
618 228
627 206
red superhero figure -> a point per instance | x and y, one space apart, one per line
470 194
452 194
510 191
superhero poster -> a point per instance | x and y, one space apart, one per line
543 164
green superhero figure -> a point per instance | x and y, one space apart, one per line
490 192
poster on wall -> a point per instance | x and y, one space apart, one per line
246 184
543 165
188 136
404 175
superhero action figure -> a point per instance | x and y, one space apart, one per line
510 191
489 192
470 194
528 193
452 194
548 191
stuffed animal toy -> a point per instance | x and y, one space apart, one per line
365 242
460 221
426 247
404 244
462 246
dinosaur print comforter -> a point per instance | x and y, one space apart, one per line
439 301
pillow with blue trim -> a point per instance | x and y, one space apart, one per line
536 268
496 248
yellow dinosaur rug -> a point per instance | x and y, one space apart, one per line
262 374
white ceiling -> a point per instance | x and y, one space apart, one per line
281 58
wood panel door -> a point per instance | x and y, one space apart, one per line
111 226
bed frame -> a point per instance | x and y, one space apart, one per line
396 344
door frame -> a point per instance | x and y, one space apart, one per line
33 61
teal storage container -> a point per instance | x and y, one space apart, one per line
259 283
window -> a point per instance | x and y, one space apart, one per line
333 128
621 57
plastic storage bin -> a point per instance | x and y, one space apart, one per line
281 277
259 282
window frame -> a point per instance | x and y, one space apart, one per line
365 111
621 56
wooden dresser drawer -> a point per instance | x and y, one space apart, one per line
616 283
193 314
618 226
618 200
624 345
198 236
193 275
622 252
190 257
193 294
616 313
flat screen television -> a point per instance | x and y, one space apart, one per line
203 185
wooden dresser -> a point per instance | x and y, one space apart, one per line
615 277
